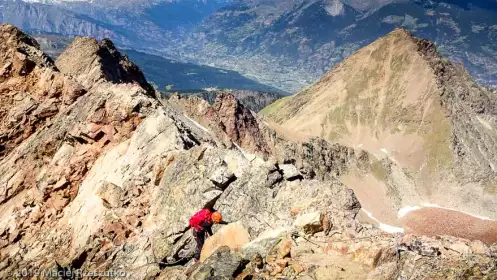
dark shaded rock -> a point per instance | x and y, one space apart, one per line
223 264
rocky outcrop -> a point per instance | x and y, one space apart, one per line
110 181
91 62
252 100
32 90
227 118
472 111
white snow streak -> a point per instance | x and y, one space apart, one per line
382 226
403 211
197 124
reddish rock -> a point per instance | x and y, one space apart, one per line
297 267
281 263
285 248
36 215
114 227
58 201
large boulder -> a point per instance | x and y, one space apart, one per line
222 264
265 242
310 223
234 236
290 172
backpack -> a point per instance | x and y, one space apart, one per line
201 216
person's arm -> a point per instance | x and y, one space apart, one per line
208 227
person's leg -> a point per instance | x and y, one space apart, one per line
200 239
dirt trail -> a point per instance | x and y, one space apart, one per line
431 221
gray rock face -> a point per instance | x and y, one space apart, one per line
223 264
264 243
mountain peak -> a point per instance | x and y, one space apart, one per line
13 33
91 61
398 99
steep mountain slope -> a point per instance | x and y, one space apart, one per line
26 69
302 40
106 184
137 24
421 116
89 62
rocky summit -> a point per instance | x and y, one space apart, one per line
98 175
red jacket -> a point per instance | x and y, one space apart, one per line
201 220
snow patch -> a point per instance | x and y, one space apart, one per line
382 226
197 124
403 211
248 156
335 8
384 150
485 123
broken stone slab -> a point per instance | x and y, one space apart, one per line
375 255
46 109
290 172
222 264
309 223
5 68
301 249
266 241
234 236
285 248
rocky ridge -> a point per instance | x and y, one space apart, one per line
109 181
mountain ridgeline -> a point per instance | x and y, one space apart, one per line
99 175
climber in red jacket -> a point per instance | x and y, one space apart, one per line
201 223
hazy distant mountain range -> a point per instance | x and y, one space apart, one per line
283 43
